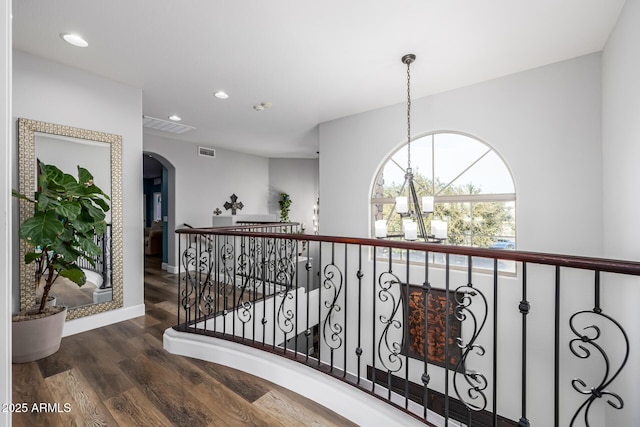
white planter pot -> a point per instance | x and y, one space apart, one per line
35 339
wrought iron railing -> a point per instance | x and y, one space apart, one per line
448 344
101 263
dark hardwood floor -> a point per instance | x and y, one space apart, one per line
120 375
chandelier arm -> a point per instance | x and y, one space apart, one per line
404 184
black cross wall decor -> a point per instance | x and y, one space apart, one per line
234 205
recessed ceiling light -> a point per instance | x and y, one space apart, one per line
175 118
74 39
221 95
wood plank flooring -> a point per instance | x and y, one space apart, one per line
120 375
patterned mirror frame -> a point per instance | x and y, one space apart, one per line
27 130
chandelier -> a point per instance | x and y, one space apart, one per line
412 210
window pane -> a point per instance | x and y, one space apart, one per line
453 154
488 176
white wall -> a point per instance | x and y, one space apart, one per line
299 179
621 136
48 91
6 148
545 123
621 176
203 184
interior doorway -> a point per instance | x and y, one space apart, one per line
159 218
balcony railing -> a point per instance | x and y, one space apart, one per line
451 345
101 263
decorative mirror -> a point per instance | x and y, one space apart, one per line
101 154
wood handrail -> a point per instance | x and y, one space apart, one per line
570 261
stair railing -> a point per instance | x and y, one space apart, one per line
450 334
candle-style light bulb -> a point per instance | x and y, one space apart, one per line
402 205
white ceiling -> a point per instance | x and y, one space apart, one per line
314 60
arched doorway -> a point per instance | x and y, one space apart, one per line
159 209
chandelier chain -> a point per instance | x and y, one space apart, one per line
409 115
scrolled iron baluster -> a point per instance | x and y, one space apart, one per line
255 252
190 279
244 311
284 273
475 399
206 252
257 264
285 315
245 271
332 283
391 359
269 266
579 347
225 274
203 269
244 265
209 303
285 267
227 255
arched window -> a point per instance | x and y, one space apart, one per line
472 188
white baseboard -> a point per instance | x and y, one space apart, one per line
75 326
329 392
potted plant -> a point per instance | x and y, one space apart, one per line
285 204
68 213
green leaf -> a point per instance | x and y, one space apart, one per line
74 190
50 173
95 192
67 180
67 251
41 229
84 175
44 202
83 224
94 211
70 210
89 247
101 203
29 257
100 228
67 235
51 186
73 273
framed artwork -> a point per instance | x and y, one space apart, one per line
439 344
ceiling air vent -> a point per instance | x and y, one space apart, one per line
206 152
164 125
